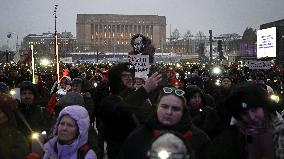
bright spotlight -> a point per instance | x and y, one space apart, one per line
44 62
217 70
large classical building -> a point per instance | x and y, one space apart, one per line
112 32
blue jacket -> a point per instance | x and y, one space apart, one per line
53 150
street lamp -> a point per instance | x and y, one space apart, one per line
54 13
55 43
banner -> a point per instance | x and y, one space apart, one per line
66 60
141 64
259 64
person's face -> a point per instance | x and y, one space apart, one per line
138 44
226 83
170 110
3 117
195 72
253 117
63 83
77 88
27 97
195 101
67 130
14 73
127 79
139 81
205 78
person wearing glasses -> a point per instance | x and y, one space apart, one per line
170 115
125 108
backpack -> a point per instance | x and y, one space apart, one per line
83 150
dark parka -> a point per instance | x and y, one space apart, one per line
122 112
205 118
13 144
139 141
36 116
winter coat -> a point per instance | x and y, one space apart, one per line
232 143
139 141
13 144
207 120
119 115
36 116
54 150
220 97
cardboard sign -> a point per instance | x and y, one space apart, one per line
141 64
259 64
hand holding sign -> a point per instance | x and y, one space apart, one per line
152 82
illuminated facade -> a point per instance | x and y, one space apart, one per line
112 32
44 44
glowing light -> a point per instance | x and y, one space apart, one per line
218 82
216 70
177 65
274 98
44 62
12 92
35 136
163 154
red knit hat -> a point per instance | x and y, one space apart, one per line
7 104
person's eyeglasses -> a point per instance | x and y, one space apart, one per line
169 90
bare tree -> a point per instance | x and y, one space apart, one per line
200 37
187 41
175 35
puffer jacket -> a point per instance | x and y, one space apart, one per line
54 150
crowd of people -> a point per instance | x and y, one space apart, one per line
183 111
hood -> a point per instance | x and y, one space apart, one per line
81 116
114 78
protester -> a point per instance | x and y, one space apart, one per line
31 117
57 92
75 98
202 115
13 143
14 77
257 131
3 87
77 85
70 135
126 108
220 95
171 114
